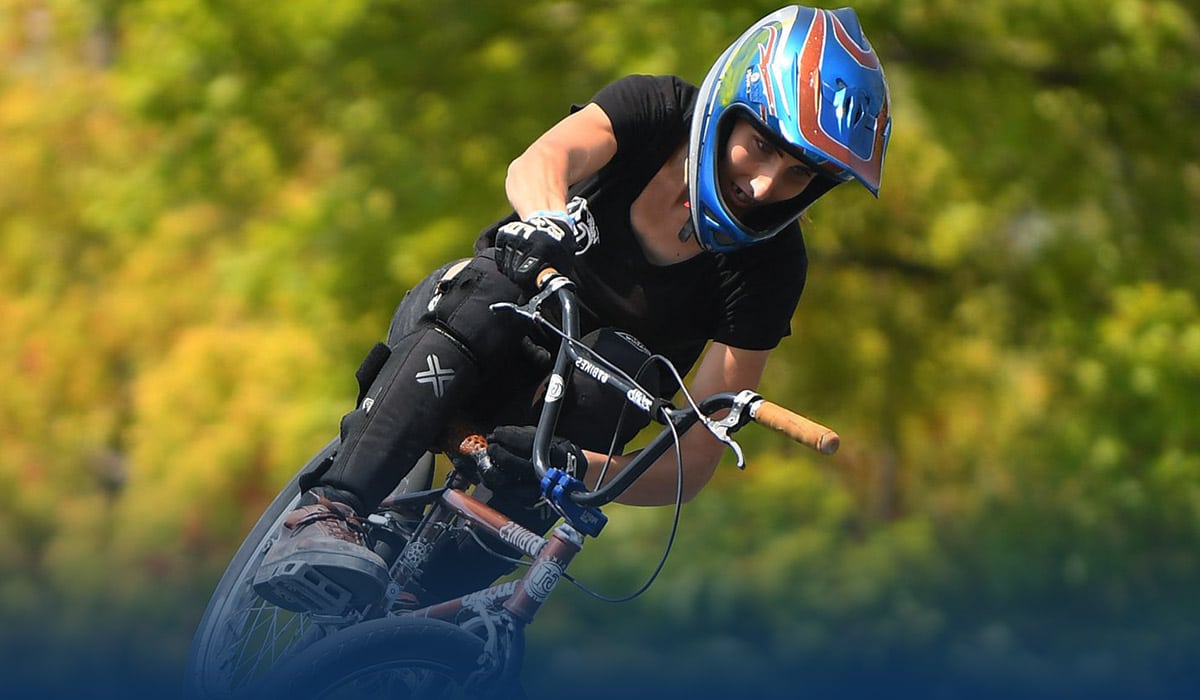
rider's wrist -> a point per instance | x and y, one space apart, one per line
555 215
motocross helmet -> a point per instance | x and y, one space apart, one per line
809 80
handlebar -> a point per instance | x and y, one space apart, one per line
743 407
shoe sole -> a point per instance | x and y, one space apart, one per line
323 583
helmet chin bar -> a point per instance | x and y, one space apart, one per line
763 223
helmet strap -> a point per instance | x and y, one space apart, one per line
686 231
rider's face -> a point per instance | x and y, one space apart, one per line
754 172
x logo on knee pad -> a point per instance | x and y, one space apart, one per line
436 375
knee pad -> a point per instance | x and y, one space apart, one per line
461 305
421 385
592 412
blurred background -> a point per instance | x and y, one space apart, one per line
209 209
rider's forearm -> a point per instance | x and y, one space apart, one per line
573 149
659 485
537 180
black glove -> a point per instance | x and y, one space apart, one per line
510 448
525 248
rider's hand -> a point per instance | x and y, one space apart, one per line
510 448
524 248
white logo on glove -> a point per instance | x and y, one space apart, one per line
586 233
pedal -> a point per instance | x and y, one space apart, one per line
311 585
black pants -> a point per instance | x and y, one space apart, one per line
444 346
448 358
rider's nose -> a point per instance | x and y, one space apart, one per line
762 184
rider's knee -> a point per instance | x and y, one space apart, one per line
461 306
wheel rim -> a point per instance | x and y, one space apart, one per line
256 639
251 635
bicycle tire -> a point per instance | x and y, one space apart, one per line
405 657
240 636
217 663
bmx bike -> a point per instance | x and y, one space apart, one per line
471 645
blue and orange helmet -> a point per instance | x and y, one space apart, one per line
808 79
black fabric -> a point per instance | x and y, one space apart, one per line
424 382
524 248
510 448
445 343
370 368
744 299
592 413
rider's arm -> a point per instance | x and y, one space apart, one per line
722 368
568 152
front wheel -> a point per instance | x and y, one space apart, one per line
390 657
241 637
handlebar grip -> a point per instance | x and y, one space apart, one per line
545 276
460 440
804 431
472 445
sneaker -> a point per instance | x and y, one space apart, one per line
321 564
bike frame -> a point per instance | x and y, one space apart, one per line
551 555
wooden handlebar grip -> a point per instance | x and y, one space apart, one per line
544 276
797 427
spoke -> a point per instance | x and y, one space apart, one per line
258 635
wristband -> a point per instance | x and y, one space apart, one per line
553 214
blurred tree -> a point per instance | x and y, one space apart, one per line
209 209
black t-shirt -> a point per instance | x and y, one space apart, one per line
744 299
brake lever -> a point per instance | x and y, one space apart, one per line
736 418
532 308
720 429
526 311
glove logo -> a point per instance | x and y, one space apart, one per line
436 375
586 233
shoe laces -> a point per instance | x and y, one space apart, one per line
325 509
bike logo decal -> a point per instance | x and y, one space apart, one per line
436 375
592 370
639 399
489 598
522 539
542 579
554 392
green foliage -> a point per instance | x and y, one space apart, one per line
208 211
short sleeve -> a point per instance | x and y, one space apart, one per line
645 109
